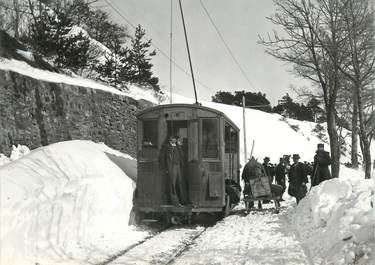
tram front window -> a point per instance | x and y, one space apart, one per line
210 138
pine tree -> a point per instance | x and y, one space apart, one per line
52 36
140 60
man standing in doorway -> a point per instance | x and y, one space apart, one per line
170 161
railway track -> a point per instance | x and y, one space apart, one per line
126 250
162 247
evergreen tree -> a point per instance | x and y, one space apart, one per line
52 36
288 108
140 60
223 97
252 99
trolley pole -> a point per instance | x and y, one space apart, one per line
188 51
170 55
244 126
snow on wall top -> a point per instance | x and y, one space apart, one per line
43 75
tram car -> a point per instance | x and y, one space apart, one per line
210 148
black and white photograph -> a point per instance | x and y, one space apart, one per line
187 132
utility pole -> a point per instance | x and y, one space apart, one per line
244 125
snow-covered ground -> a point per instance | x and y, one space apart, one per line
66 203
69 203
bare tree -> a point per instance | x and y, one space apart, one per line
359 21
312 40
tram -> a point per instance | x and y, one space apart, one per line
210 146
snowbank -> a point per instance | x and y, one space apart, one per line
65 203
336 221
17 152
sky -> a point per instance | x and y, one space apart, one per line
240 22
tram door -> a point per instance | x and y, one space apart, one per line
187 132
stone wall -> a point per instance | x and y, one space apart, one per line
35 113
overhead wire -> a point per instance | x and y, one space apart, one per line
226 45
117 10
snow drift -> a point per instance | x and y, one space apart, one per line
336 221
65 203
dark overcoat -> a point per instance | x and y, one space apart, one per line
321 171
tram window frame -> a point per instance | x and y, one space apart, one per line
152 141
216 130
231 145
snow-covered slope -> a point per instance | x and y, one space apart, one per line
273 135
65 203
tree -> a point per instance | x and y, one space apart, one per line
223 97
97 24
252 99
140 60
288 108
359 21
52 36
312 43
316 111
129 64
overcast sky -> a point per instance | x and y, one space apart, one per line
239 21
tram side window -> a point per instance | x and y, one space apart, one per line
210 138
150 134
231 136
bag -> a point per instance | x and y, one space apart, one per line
260 186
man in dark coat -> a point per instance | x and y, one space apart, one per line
320 170
171 160
297 179
268 172
280 171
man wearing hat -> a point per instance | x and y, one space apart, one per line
280 171
321 162
297 179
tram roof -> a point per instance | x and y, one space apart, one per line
196 106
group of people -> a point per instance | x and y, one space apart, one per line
297 173
173 162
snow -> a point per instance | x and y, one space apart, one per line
272 133
65 203
258 238
336 220
16 153
26 54
23 68
161 248
69 203
96 48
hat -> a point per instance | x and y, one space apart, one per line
296 156
321 145
266 158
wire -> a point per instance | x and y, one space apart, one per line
117 10
226 45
